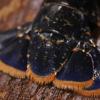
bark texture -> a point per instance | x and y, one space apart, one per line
18 89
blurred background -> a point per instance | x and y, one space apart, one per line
17 12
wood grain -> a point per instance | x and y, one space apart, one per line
17 12
18 89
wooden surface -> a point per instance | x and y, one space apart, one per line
18 89
17 12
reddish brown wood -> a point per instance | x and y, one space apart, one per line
18 89
17 12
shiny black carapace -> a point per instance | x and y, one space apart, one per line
56 48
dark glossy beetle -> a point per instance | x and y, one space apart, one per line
57 48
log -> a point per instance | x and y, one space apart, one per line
24 89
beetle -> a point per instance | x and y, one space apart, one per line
56 48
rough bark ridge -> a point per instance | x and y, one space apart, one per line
18 89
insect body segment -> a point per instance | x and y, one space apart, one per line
47 55
61 18
93 90
13 53
76 73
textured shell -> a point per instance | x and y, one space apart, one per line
57 48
